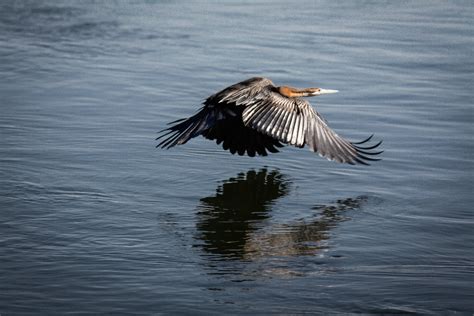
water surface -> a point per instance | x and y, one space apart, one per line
94 219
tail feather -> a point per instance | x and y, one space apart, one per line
185 129
177 121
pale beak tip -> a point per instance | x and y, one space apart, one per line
326 91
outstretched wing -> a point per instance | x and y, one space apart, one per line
220 119
322 139
295 122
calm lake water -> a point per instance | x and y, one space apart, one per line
94 219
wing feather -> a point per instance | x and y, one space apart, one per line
279 125
288 134
273 122
293 121
294 136
272 114
266 116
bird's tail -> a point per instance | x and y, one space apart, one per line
185 129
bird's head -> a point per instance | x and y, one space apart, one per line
307 92
311 92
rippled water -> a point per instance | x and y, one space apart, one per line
95 219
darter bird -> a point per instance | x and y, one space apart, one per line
255 116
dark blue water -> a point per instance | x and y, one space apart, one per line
94 219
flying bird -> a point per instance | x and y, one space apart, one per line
255 116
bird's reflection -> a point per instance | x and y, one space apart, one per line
227 220
301 237
235 222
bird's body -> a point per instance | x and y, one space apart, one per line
254 116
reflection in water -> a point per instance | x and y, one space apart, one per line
302 237
227 219
234 223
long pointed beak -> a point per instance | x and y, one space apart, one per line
327 91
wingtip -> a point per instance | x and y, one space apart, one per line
363 152
364 141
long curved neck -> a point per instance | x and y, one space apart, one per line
291 92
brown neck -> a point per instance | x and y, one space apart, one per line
291 92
